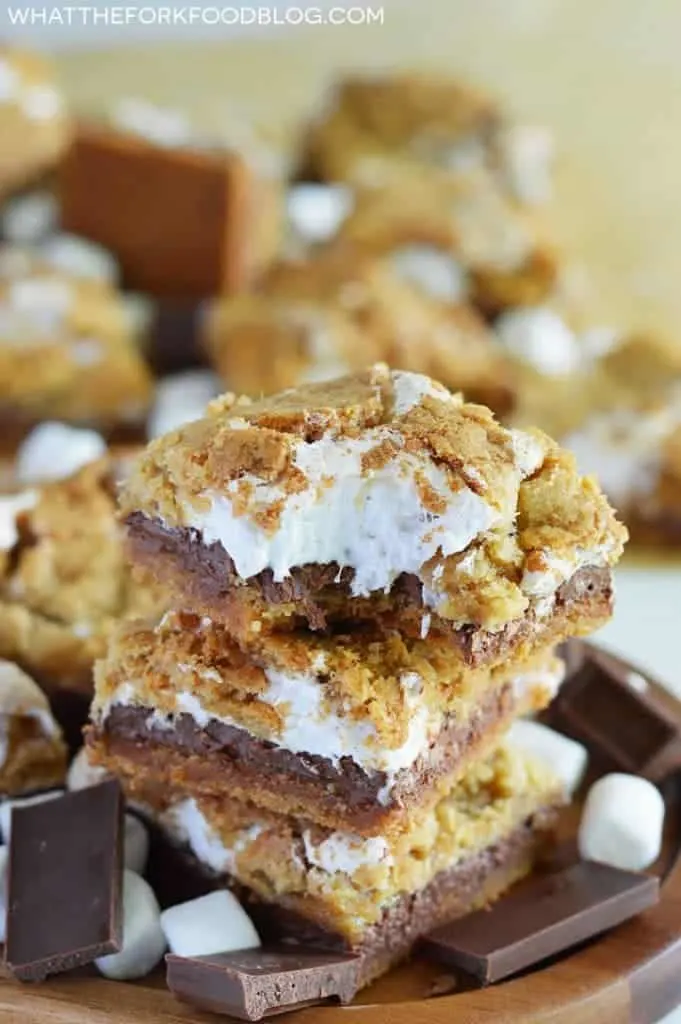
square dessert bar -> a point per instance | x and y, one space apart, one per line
35 127
32 751
64 580
377 896
352 731
334 312
375 129
378 497
621 416
186 219
67 349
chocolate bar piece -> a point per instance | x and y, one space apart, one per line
184 221
551 914
64 890
257 983
643 737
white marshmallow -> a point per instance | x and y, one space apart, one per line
139 311
181 398
28 219
7 806
566 757
157 125
538 336
143 940
80 257
622 822
82 774
53 451
315 212
216 923
4 856
435 272
41 102
135 844
528 152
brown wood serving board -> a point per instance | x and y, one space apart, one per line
631 974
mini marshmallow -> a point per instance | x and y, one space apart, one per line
435 272
82 774
622 822
135 844
528 153
139 311
80 257
158 125
4 856
538 336
315 212
53 451
566 757
181 398
216 923
28 219
143 941
7 806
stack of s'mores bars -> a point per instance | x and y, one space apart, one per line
367 580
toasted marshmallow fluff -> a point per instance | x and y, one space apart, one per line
377 524
343 853
188 825
20 697
435 272
538 336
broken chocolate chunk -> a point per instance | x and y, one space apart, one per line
257 983
550 914
64 882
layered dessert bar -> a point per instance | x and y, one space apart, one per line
356 730
64 580
378 497
67 350
156 171
333 312
620 414
377 896
456 239
32 751
35 127
376 129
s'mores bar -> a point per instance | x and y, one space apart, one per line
357 729
35 128
620 413
67 350
455 239
376 129
377 497
32 751
156 171
335 312
64 580
377 896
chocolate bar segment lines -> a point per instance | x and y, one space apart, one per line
64 889
549 914
257 983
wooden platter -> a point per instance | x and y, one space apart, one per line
631 974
